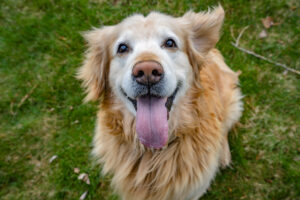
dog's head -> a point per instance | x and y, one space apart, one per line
149 63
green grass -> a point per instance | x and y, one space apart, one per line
41 48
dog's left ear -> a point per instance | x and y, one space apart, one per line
205 28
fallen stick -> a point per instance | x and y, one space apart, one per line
266 59
240 35
26 96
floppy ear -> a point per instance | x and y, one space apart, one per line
205 28
94 72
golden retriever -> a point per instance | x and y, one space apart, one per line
167 101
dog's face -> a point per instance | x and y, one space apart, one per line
149 63
149 60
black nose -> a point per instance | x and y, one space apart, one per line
147 72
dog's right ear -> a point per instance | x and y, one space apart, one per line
94 71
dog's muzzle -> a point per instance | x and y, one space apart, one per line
151 103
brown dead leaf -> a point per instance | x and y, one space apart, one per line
263 34
62 38
76 170
268 180
75 122
85 178
267 22
83 196
81 176
259 155
52 158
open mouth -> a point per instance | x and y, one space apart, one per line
168 103
152 114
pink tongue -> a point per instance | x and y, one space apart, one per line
151 121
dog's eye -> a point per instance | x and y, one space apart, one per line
170 43
123 48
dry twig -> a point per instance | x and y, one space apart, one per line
12 108
236 45
266 59
27 95
240 35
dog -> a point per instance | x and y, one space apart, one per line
167 101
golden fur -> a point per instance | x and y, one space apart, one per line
198 123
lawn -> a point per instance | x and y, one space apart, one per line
42 114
